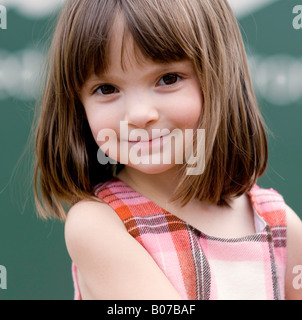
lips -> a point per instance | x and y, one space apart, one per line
155 138
146 141
154 143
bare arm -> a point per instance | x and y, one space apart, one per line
294 257
112 265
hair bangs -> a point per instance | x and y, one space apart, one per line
157 35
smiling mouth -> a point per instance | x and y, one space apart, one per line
147 141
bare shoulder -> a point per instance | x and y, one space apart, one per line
89 227
89 215
294 253
111 263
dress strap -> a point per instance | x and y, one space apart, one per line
270 205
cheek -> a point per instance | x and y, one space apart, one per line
99 120
188 110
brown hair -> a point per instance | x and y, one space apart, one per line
204 31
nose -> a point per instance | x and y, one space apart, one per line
140 110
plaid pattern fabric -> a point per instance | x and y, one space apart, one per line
199 266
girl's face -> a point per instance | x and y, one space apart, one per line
146 95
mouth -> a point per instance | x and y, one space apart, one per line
155 142
148 141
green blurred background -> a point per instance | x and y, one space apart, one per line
33 251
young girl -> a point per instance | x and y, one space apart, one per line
149 229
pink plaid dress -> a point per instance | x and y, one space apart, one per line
199 266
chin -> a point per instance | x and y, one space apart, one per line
152 169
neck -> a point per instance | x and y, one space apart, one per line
157 187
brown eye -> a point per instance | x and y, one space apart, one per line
106 90
169 79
